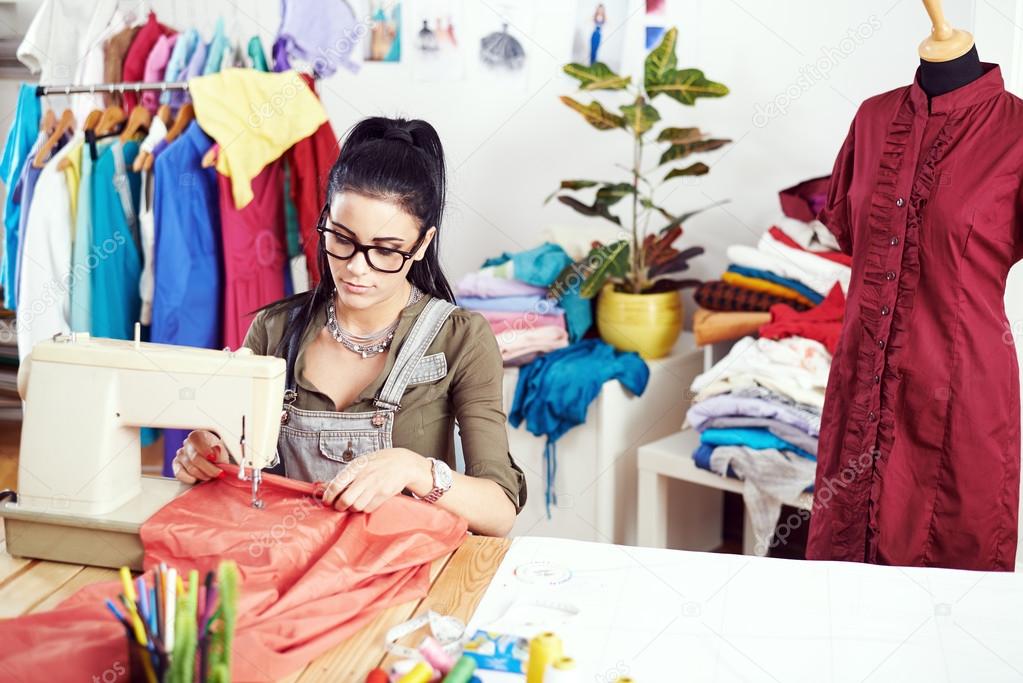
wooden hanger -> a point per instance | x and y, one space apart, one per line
164 114
209 159
185 116
66 123
112 117
945 42
140 119
92 119
48 123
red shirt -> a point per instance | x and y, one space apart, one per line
135 58
920 433
254 248
310 160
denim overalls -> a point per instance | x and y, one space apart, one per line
316 445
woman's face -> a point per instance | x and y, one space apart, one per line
374 223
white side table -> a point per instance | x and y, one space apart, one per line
702 492
596 476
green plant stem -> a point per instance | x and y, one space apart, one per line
637 254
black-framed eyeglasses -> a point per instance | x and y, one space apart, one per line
383 259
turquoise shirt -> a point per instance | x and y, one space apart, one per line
20 138
114 279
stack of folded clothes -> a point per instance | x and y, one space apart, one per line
796 262
758 410
525 321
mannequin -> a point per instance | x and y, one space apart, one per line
948 57
918 460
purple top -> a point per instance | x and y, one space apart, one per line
325 35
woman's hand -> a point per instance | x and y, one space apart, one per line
191 462
372 479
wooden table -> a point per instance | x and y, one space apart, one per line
457 584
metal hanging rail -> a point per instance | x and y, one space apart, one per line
108 87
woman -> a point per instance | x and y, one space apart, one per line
380 362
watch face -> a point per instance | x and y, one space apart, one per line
442 478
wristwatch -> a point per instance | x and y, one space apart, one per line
442 480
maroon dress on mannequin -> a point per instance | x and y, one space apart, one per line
919 451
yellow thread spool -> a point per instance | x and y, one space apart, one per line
543 649
421 673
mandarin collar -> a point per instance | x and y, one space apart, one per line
982 89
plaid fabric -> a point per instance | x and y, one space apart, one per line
718 295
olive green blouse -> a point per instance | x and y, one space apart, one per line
471 392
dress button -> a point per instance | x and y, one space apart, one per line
894 240
880 343
885 310
871 416
899 202
890 275
877 379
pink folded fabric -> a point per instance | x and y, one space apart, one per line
515 343
487 286
503 321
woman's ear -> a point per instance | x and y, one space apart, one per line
421 252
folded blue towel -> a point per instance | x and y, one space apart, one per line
757 438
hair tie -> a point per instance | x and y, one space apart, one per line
398 134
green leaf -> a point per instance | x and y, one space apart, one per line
678 151
640 116
597 209
597 77
686 86
611 194
679 220
660 61
572 185
613 261
680 136
595 114
699 168
670 285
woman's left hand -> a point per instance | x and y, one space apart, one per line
371 479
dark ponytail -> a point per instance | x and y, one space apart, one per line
395 160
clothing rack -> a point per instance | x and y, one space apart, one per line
108 87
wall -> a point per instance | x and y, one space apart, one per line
797 70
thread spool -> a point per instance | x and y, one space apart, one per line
462 671
435 655
421 673
543 649
562 670
623 679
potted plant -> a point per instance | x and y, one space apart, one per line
637 277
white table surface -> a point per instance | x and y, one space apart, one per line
659 615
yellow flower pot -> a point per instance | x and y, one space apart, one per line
648 324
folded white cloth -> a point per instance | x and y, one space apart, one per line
813 235
817 273
796 367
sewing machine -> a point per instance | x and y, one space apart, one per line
81 493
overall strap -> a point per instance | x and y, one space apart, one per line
422 334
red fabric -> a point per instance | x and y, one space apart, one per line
920 434
804 200
310 161
823 322
836 256
138 52
255 250
310 576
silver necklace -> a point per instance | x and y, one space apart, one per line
370 344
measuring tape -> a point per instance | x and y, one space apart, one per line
449 632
